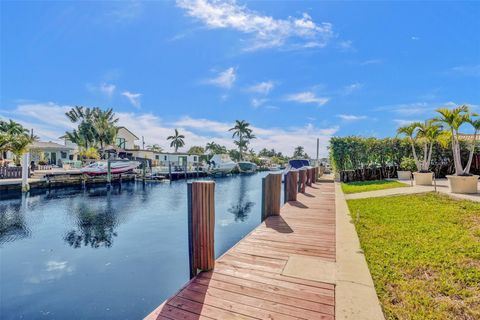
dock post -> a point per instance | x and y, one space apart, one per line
302 179
109 173
291 186
309 176
271 192
25 164
185 168
169 171
201 226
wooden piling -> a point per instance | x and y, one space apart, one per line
291 186
302 179
309 177
109 173
271 192
201 226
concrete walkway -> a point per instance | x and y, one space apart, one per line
442 187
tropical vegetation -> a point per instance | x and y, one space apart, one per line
243 132
14 138
96 128
177 140
452 120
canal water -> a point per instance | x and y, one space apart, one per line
98 254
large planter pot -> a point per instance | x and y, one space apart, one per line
423 178
463 184
404 175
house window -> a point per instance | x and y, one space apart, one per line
121 143
195 159
165 158
63 154
157 157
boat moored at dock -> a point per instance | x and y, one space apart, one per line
221 164
116 167
247 167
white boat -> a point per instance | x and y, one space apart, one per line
274 167
247 167
221 163
116 167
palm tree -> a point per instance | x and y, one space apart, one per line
177 140
104 127
427 133
243 131
13 128
452 120
298 152
409 131
154 148
15 138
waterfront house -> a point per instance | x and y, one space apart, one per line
49 152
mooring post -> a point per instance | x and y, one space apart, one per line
25 162
144 170
309 176
109 173
169 171
291 186
201 226
185 168
271 193
302 179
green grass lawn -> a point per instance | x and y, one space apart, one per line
363 186
424 254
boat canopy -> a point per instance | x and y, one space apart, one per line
298 163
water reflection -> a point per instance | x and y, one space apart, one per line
95 225
12 223
241 210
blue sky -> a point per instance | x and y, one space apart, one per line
296 70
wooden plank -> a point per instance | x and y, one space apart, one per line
247 282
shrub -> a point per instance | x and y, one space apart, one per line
408 164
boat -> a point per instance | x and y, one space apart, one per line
116 167
247 167
296 164
221 163
274 167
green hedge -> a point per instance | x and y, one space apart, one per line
353 152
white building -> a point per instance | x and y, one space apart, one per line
50 152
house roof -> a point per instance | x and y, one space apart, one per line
49 145
133 134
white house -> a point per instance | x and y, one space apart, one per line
50 152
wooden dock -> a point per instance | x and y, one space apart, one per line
248 281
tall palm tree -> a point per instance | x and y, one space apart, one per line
242 130
104 126
427 133
177 140
452 120
13 128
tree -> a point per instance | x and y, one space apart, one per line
299 152
154 148
15 138
177 140
198 150
95 127
242 130
409 132
215 148
452 120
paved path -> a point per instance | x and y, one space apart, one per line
442 187
268 274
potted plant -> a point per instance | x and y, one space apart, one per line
424 134
407 166
462 181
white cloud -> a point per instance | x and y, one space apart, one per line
262 87
134 98
197 131
352 87
257 102
371 61
265 31
125 11
404 122
307 97
107 89
351 117
414 38
467 70
224 79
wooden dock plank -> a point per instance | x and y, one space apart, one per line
247 282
